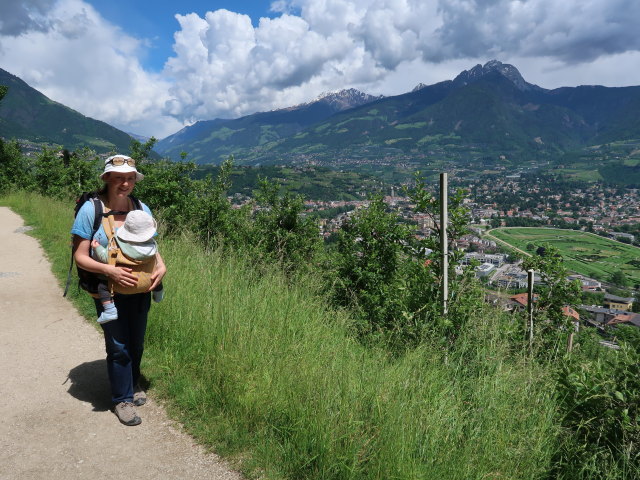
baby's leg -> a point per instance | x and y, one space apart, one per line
109 311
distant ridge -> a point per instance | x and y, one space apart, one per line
487 111
214 140
27 114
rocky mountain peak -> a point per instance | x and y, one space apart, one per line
345 99
508 71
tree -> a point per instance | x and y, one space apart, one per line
619 278
13 171
367 261
554 292
141 152
215 221
458 221
169 189
280 228
57 178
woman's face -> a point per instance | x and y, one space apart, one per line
120 184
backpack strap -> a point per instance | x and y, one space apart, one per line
97 217
137 204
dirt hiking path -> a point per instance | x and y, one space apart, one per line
55 421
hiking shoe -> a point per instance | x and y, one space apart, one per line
157 295
139 396
126 413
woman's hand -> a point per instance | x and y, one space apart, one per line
158 272
122 276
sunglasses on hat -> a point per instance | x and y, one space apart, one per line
119 161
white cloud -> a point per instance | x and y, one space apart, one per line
226 67
573 31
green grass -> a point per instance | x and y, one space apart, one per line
584 175
221 134
583 253
258 368
391 141
404 126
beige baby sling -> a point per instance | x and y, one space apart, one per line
142 269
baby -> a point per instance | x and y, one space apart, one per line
135 239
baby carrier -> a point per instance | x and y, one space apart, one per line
142 269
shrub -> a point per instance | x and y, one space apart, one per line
367 260
600 410
64 175
280 230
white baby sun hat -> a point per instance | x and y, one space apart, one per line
139 226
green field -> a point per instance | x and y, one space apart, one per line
583 253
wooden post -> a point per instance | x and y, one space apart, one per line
444 243
576 328
530 299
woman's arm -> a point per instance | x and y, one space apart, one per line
158 272
120 275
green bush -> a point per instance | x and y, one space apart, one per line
280 230
368 257
600 410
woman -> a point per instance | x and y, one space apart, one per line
124 337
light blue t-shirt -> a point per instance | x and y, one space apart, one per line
83 224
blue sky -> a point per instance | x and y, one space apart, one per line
152 67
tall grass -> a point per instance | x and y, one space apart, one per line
259 368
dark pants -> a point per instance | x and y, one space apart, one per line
124 341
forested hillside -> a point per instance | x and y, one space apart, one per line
27 114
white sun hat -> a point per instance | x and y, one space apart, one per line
139 227
127 165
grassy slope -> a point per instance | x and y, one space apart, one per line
261 370
582 252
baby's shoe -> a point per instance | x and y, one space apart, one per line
108 315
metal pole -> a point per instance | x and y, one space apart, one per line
530 300
444 243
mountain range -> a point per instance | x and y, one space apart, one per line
489 111
213 140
